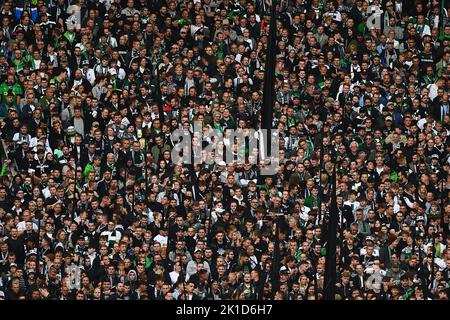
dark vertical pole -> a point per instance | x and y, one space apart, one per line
383 9
413 236
320 172
319 215
433 257
276 258
211 207
443 196
124 180
269 76
134 197
74 194
330 261
441 17
266 123
38 254
159 96
423 279
145 164
316 288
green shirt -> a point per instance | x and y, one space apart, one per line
311 201
70 36
16 89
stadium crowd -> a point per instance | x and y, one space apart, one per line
93 207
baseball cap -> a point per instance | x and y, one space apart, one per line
284 271
71 130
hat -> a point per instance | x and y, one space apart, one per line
222 163
71 130
388 118
391 103
95 124
284 271
420 218
31 271
85 63
435 156
370 238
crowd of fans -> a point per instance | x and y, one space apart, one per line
93 207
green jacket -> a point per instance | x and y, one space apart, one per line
157 152
16 89
311 201
4 169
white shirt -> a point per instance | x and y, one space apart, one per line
46 193
304 210
162 240
355 206
174 276
21 226
18 136
89 75
433 91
